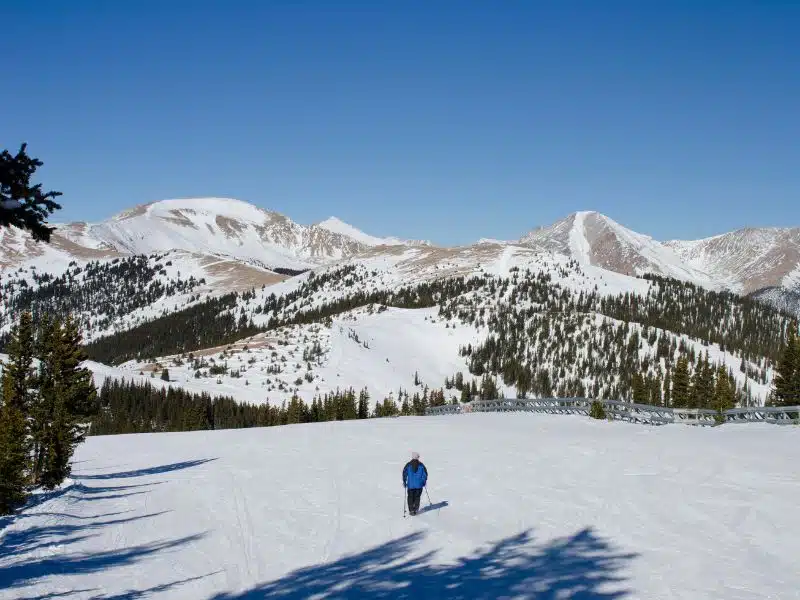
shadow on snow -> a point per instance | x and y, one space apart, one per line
148 471
431 507
582 566
165 587
38 568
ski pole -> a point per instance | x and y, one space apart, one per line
404 503
428 495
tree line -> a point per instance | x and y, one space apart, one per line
127 406
212 322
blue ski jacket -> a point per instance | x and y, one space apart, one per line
415 475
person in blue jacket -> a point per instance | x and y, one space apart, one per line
415 476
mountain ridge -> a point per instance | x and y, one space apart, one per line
743 261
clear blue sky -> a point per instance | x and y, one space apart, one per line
449 120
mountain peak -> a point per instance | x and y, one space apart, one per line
593 238
336 225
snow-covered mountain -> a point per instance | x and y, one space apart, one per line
746 260
219 226
211 226
336 225
743 261
592 238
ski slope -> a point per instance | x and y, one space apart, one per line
525 506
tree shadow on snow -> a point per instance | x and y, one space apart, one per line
33 570
53 595
111 488
149 471
582 566
37 537
164 587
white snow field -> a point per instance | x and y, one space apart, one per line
524 506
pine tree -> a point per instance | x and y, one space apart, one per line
165 374
15 442
73 404
21 204
668 389
724 393
680 384
43 403
786 384
640 393
363 404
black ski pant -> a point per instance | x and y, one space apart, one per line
414 497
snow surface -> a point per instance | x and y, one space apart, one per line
338 226
524 506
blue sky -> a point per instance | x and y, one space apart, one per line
447 121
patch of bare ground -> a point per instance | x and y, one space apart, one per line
234 276
177 217
136 211
10 256
230 227
605 248
781 262
255 342
82 252
452 261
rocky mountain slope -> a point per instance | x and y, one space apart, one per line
595 239
743 261
746 260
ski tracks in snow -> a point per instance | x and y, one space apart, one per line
244 527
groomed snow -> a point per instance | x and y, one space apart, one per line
529 506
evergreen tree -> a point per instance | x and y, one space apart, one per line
724 392
15 442
668 389
680 383
72 405
786 386
702 392
42 408
165 374
23 204
640 392
363 404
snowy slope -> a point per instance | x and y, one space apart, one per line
595 239
379 351
524 506
748 259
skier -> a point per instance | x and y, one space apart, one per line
415 476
